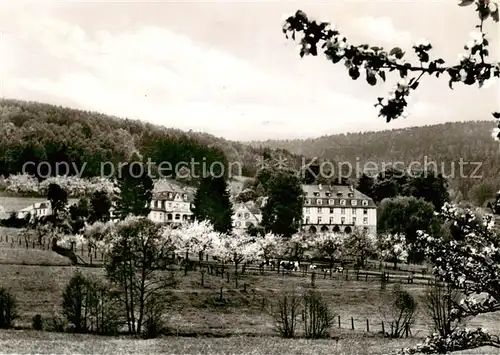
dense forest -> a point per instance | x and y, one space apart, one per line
446 144
37 132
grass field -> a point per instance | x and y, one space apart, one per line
37 342
197 311
50 343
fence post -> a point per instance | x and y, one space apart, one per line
313 278
221 293
383 328
366 276
367 325
407 329
339 321
352 323
357 275
227 274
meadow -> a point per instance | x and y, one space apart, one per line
199 321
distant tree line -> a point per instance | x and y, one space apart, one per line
444 144
36 132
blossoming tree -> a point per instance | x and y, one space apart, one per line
329 245
238 248
136 249
392 246
301 245
193 238
360 245
272 247
471 264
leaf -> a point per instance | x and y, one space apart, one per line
466 2
371 79
354 73
496 115
495 16
397 52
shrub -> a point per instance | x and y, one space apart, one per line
154 324
89 307
8 309
439 301
285 312
57 323
398 309
37 322
316 316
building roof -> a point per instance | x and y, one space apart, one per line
163 187
251 207
335 192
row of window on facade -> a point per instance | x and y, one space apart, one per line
163 204
246 215
173 217
332 220
328 194
319 201
336 228
331 210
241 224
171 195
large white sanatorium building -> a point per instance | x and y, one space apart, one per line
338 209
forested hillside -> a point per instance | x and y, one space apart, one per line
36 132
444 144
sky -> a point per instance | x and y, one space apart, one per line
226 68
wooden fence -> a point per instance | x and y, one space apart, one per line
92 257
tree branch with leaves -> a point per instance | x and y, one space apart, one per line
376 62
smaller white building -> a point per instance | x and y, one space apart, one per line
36 210
171 203
246 215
